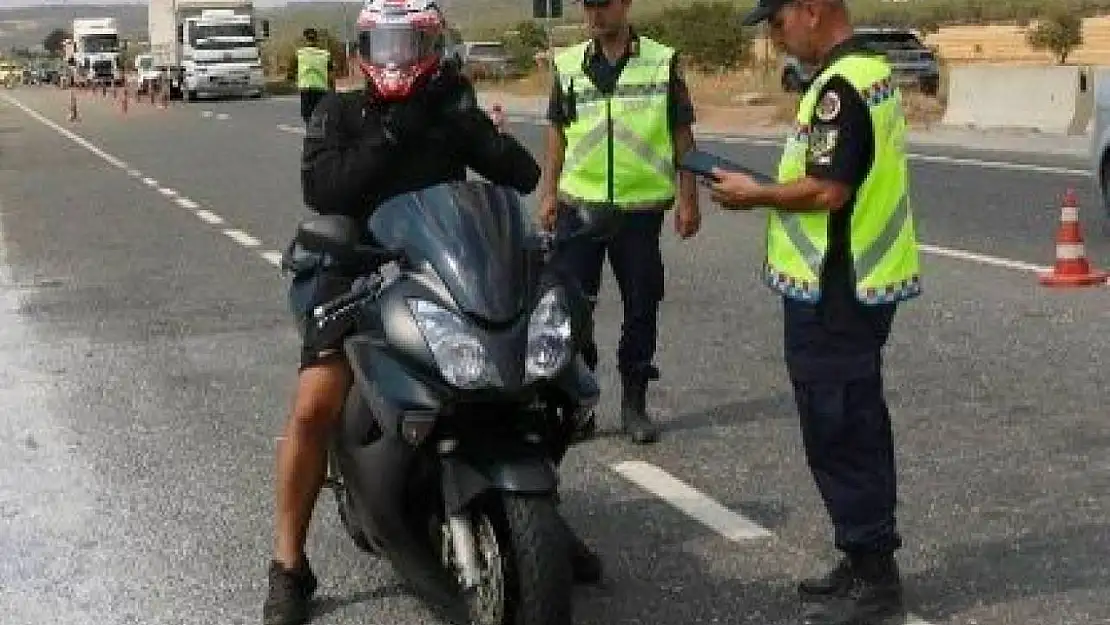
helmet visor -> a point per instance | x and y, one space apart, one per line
397 45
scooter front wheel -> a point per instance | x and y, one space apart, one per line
524 551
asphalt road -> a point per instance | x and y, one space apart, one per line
147 360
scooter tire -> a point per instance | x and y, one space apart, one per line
536 548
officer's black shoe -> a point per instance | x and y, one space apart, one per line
634 419
873 596
837 580
585 564
290 594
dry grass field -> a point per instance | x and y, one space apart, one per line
759 101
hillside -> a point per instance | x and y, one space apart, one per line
26 27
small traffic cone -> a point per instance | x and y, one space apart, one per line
73 115
1072 268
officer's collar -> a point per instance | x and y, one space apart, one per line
855 43
593 49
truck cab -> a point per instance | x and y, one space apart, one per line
220 54
94 52
146 74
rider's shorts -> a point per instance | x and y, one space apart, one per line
307 292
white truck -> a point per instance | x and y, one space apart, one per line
207 47
93 52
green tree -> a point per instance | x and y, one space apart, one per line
709 35
53 41
522 43
1060 32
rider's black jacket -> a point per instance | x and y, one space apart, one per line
359 152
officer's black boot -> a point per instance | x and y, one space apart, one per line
872 594
837 580
634 418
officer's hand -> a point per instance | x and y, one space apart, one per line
687 219
497 116
549 211
734 189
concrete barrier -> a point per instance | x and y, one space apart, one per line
1057 99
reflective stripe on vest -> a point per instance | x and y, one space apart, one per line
618 146
312 68
882 240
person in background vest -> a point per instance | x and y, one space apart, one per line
842 252
314 69
620 115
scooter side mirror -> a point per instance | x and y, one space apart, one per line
331 234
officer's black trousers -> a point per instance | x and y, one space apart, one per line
309 99
637 264
833 354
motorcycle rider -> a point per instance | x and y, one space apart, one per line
416 124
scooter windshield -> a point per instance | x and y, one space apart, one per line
473 234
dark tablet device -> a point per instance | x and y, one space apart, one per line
702 164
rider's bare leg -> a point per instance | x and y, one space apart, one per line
302 455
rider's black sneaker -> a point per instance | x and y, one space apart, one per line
290 594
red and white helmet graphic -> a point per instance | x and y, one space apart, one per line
400 45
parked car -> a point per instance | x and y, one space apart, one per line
912 61
486 59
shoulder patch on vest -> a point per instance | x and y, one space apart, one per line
829 106
822 143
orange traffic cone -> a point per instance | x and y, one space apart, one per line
1072 268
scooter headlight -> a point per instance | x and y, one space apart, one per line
549 337
460 356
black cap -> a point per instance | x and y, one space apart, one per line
763 10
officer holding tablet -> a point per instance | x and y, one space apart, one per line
842 253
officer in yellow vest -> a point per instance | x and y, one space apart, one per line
842 253
314 70
620 112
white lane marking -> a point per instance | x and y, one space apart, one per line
700 507
209 217
242 238
272 257
982 258
206 114
295 130
686 498
79 140
928 158
934 249
1044 169
222 116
